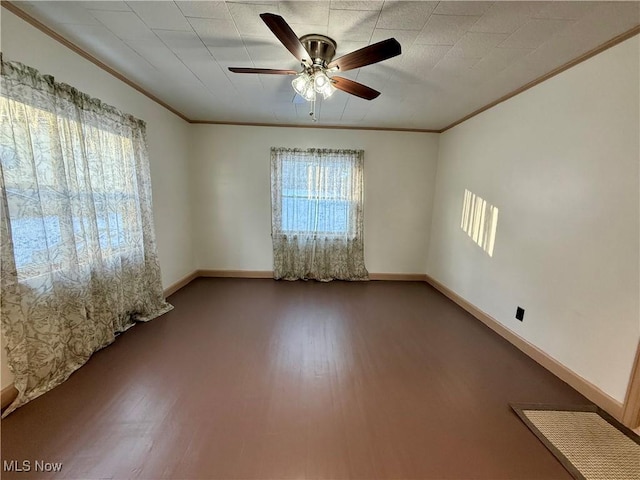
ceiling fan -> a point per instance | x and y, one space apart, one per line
315 53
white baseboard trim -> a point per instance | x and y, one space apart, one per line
586 388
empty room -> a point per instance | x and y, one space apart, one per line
320 239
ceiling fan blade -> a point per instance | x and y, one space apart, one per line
264 71
366 56
354 88
287 36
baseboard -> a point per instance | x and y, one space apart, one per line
7 395
183 282
586 388
404 277
235 273
171 289
631 412
399 277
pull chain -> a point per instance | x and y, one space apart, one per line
312 113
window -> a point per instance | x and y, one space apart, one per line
317 192
317 226
479 221
309 202
81 199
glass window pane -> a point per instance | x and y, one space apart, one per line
315 196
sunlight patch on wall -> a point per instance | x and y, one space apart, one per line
480 221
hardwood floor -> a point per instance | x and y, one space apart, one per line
289 380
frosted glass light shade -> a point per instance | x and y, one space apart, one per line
319 81
322 84
303 85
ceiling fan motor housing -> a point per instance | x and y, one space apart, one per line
320 47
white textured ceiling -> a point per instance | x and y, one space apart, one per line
456 56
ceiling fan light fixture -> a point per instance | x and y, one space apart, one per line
322 84
303 85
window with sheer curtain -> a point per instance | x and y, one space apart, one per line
317 214
39 213
78 260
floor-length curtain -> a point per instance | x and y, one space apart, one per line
78 262
317 200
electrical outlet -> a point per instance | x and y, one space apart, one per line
520 313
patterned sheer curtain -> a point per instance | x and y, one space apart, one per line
78 259
317 214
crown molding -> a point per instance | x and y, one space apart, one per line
327 127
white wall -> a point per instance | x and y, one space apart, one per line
232 200
560 161
167 139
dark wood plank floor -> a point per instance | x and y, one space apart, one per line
291 380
